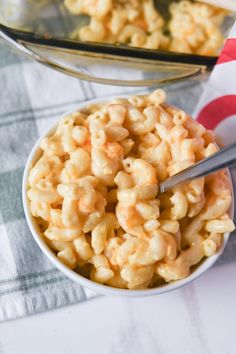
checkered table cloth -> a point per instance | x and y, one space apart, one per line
32 97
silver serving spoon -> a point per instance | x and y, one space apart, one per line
225 157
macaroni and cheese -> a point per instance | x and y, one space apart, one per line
192 28
94 193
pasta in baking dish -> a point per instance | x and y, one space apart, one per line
192 28
94 193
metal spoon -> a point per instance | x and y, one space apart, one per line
226 157
162 6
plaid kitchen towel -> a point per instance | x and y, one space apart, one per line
32 97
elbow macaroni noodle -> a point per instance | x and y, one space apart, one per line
94 193
192 28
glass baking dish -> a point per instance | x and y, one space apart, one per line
42 28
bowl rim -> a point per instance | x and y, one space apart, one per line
90 284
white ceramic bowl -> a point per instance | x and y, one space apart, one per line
103 289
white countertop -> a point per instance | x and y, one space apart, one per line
197 319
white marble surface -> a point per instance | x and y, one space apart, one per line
197 319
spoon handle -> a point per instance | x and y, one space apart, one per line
225 157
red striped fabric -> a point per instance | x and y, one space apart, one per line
217 110
229 51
